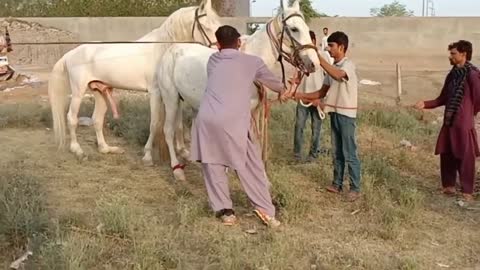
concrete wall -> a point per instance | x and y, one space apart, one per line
369 37
389 35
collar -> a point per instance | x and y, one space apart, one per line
229 51
339 63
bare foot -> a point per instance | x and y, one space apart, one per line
468 197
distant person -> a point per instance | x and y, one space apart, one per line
340 92
324 46
457 142
304 112
325 39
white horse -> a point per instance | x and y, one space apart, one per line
182 73
103 67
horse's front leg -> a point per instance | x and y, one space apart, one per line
155 115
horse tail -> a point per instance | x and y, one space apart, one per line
58 86
160 141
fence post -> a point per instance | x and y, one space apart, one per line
399 83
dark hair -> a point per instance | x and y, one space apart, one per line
325 28
227 35
312 35
462 46
340 38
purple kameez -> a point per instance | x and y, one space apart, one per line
457 144
221 132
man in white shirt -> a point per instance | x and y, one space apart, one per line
324 46
341 104
325 39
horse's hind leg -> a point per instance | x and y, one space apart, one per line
169 127
179 134
72 118
98 120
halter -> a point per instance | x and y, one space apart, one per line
296 46
196 21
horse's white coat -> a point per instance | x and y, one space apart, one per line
182 71
121 66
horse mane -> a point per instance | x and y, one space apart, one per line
174 22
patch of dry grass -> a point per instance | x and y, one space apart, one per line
148 222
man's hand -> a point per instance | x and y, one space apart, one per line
298 96
316 102
419 105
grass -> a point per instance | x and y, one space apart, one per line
23 216
121 216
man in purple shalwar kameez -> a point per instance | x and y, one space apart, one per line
221 135
457 142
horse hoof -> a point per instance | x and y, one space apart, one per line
111 150
77 151
147 162
179 173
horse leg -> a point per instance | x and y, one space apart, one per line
72 118
98 119
155 111
169 126
180 137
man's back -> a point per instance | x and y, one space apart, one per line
228 92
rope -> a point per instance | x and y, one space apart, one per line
103 42
321 113
262 133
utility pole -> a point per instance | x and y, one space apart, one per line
430 7
423 8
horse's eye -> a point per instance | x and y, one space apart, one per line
294 29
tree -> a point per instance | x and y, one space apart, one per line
392 9
224 8
307 9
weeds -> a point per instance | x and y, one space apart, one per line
319 231
22 211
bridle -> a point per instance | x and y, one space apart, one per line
277 39
196 22
296 46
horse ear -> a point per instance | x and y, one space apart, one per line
296 5
206 5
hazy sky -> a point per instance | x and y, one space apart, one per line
361 8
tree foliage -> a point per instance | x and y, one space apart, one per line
81 8
224 8
393 9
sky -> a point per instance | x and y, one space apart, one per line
361 8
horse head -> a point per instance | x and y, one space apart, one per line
291 36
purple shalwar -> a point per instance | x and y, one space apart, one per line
457 145
221 134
